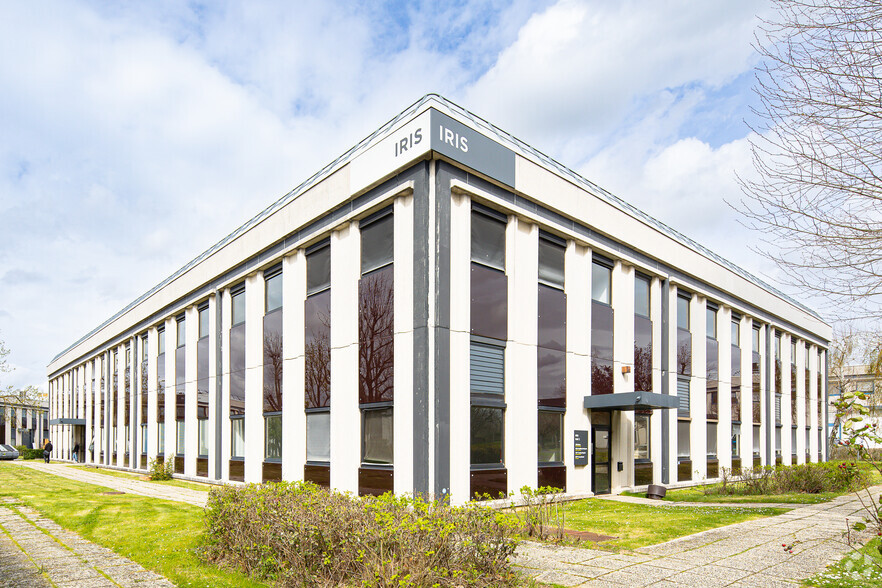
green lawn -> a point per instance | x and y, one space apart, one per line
697 494
133 476
858 569
638 525
158 534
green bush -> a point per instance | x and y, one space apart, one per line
160 470
809 478
298 534
24 452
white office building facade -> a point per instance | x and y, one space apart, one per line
445 311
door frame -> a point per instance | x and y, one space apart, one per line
608 429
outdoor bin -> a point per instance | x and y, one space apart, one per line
655 491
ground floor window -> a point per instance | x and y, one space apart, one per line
318 436
273 428
114 440
143 438
160 437
756 440
487 435
736 440
641 437
712 439
203 437
778 441
180 437
550 436
237 448
377 430
683 439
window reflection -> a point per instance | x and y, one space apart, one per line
486 435
552 368
318 350
642 354
237 370
375 341
273 360
489 302
601 348
736 383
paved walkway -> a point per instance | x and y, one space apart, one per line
36 552
127 485
748 554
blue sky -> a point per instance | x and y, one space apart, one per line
135 135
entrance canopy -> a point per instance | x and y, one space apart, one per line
630 401
67 422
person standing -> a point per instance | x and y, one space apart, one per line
47 450
76 452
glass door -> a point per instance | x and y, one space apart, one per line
600 459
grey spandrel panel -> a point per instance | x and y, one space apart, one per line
317 350
488 241
489 302
377 244
642 354
237 370
552 318
552 377
202 378
273 361
375 336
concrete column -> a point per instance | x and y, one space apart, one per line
746 335
460 344
152 409
90 422
698 395
293 373
213 413
577 281
658 416
521 395
786 420
822 354
255 289
622 434
134 404
191 428
812 392
402 414
121 406
724 390
671 415
226 428
801 395
345 414
170 345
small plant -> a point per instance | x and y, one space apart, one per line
541 515
161 470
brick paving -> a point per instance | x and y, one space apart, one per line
745 554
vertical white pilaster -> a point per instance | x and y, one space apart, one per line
213 447
170 346
121 405
345 414
152 409
786 420
460 344
698 395
191 428
402 413
672 415
655 422
746 335
255 289
724 389
521 395
88 437
801 395
293 374
577 281
622 434
226 427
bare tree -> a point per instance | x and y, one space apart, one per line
818 150
12 396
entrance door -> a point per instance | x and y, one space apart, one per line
600 459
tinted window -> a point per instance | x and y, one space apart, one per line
486 435
318 270
601 277
488 241
238 303
375 329
203 322
489 303
550 436
318 350
377 436
641 296
273 360
377 244
182 333
551 263
711 316
682 313
274 292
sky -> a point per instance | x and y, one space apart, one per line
133 136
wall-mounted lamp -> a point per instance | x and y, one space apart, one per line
626 369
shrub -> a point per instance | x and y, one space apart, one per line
809 478
541 515
25 452
161 470
299 534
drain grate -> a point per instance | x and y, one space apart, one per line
112 493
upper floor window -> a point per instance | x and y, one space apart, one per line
182 332
793 352
488 240
318 269
736 331
756 339
683 312
377 244
273 291
238 304
601 283
641 296
551 262
160 345
711 324
203 322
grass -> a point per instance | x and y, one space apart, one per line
638 525
858 569
133 476
697 494
158 534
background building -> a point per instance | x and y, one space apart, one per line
445 310
859 378
23 424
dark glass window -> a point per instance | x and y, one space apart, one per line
203 322
273 360
182 332
488 241
318 270
641 296
318 349
160 384
713 377
642 354
777 363
180 381
641 437
736 332
375 341
160 340
273 298
552 370
711 324
755 339
238 304
551 263
237 369
377 244
601 283
757 395
377 427
273 446
601 348
552 318
793 403
683 312
550 436
202 378
736 383
487 435
489 302
143 387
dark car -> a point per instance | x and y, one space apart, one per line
8 452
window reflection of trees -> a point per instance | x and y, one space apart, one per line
318 350
272 371
375 341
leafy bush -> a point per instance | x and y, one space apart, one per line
299 534
809 478
541 515
160 470
26 452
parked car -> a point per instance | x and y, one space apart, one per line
8 452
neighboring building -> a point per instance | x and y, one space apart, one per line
23 424
855 377
445 310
